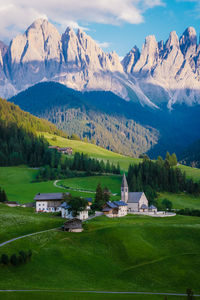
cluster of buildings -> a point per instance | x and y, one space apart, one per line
131 202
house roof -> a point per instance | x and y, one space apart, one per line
49 196
124 181
111 204
152 207
143 206
73 223
134 197
120 203
64 205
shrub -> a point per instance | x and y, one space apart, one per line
14 260
5 259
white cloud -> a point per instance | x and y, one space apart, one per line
16 15
103 44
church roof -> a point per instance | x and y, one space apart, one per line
120 203
124 181
134 197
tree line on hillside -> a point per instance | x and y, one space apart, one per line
16 259
68 167
161 175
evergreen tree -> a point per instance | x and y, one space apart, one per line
14 260
106 195
98 198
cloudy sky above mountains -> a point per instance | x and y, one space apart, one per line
116 24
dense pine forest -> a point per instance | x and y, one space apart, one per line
68 167
158 176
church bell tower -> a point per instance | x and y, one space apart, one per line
124 189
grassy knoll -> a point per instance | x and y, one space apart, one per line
113 182
19 221
181 200
92 151
80 296
134 253
191 172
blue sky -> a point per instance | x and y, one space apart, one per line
159 21
116 24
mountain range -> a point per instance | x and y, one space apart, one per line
161 74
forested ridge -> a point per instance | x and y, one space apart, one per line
100 117
19 143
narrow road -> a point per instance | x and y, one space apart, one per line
100 292
75 190
23 236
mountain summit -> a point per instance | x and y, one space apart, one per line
161 73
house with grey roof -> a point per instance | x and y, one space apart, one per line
115 209
49 202
136 201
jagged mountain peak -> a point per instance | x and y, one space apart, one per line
161 72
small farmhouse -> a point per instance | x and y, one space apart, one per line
82 215
12 203
115 209
49 202
65 150
73 225
136 201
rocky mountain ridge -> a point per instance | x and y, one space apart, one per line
166 73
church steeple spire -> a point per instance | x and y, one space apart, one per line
124 189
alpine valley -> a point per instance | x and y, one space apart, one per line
149 100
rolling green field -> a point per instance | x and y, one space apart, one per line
92 150
19 184
17 221
181 200
134 253
113 182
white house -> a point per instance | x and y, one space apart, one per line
115 209
65 212
49 202
136 201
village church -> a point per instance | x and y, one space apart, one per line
136 201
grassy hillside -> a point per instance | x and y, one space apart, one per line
133 253
11 113
19 184
19 221
113 182
92 150
181 200
191 172
80 296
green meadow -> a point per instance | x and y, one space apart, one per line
134 253
18 221
113 182
181 200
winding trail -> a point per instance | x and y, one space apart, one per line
26 235
100 292
75 190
